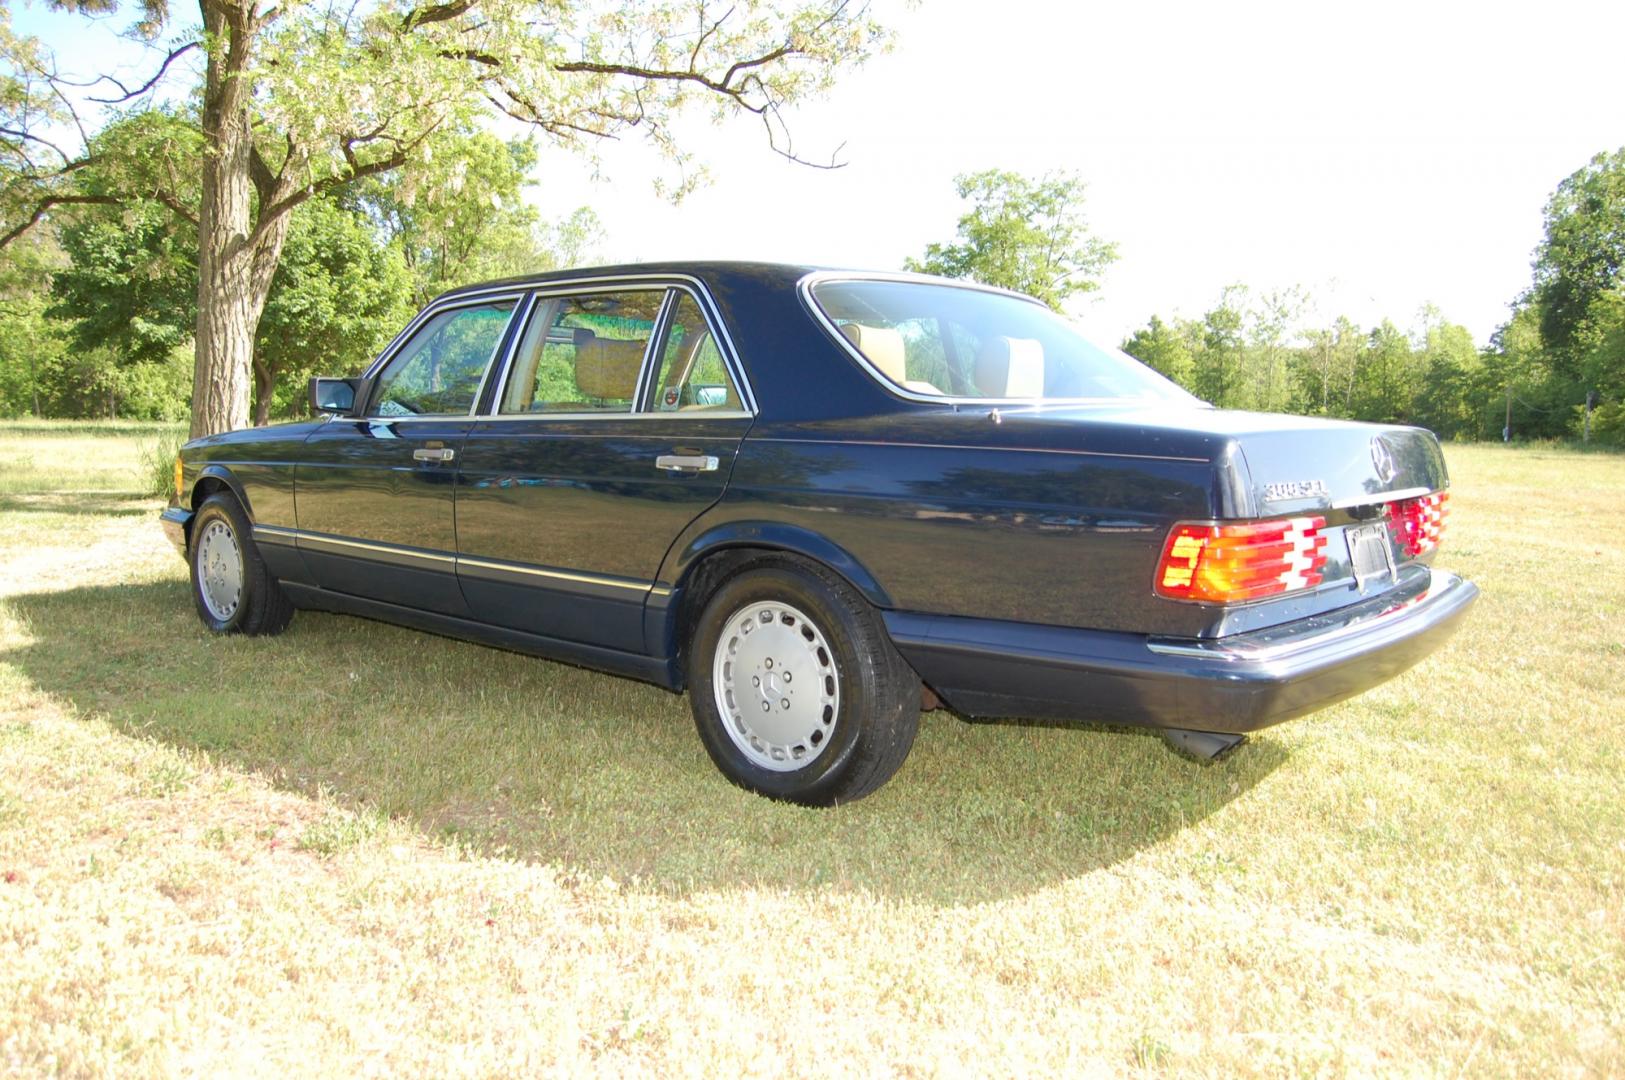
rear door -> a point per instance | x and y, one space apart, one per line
375 494
615 425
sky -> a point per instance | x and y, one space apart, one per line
1383 156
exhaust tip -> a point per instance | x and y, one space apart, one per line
1201 745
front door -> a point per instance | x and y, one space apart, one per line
616 425
375 494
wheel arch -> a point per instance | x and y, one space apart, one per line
217 478
700 566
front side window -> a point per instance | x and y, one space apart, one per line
693 377
953 342
438 372
582 353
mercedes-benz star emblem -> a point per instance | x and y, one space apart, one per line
1382 457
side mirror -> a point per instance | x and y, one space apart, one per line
333 395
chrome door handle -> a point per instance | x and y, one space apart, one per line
686 463
442 454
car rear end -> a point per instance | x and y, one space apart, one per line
1310 578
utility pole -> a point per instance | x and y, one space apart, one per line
1506 432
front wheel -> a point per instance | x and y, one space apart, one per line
797 691
233 590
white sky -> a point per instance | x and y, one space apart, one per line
1384 155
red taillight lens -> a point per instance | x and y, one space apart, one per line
1226 564
1418 524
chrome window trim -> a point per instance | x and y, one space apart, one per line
687 282
538 298
518 296
804 288
643 400
509 418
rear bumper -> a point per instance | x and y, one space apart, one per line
1237 684
177 522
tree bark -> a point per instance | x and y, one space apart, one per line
237 256
264 391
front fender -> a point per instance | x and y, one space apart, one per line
224 476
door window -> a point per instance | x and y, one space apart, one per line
583 353
693 377
438 372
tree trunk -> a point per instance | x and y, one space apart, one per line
264 389
237 256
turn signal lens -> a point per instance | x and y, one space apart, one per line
1418 524
180 479
1227 564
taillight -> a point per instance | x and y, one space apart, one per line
1418 524
1226 564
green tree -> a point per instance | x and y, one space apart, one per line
299 100
1450 379
1022 234
1165 347
1327 366
1222 354
30 343
130 285
338 297
1582 256
1387 379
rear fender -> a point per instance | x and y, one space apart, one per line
660 616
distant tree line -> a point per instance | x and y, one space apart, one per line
1562 349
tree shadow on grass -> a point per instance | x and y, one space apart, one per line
605 776
79 503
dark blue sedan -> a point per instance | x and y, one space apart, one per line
814 499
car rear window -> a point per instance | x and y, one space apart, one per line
956 342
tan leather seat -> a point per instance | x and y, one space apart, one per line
606 368
1010 367
886 350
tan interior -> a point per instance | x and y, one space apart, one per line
607 368
886 350
1010 367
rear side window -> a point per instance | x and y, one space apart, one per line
693 377
948 341
438 372
582 353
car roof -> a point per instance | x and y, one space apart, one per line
704 269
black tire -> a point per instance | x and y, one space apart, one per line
858 741
261 606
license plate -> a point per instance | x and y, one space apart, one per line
1371 554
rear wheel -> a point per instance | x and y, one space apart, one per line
796 690
233 590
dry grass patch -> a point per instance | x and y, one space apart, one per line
356 849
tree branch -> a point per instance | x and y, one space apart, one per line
49 201
435 13
127 93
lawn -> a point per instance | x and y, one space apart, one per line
359 850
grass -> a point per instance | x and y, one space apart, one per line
355 848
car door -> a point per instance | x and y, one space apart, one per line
615 425
374 495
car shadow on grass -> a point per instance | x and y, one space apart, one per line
603 776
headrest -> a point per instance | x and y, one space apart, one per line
883 347
607 368
1010 367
